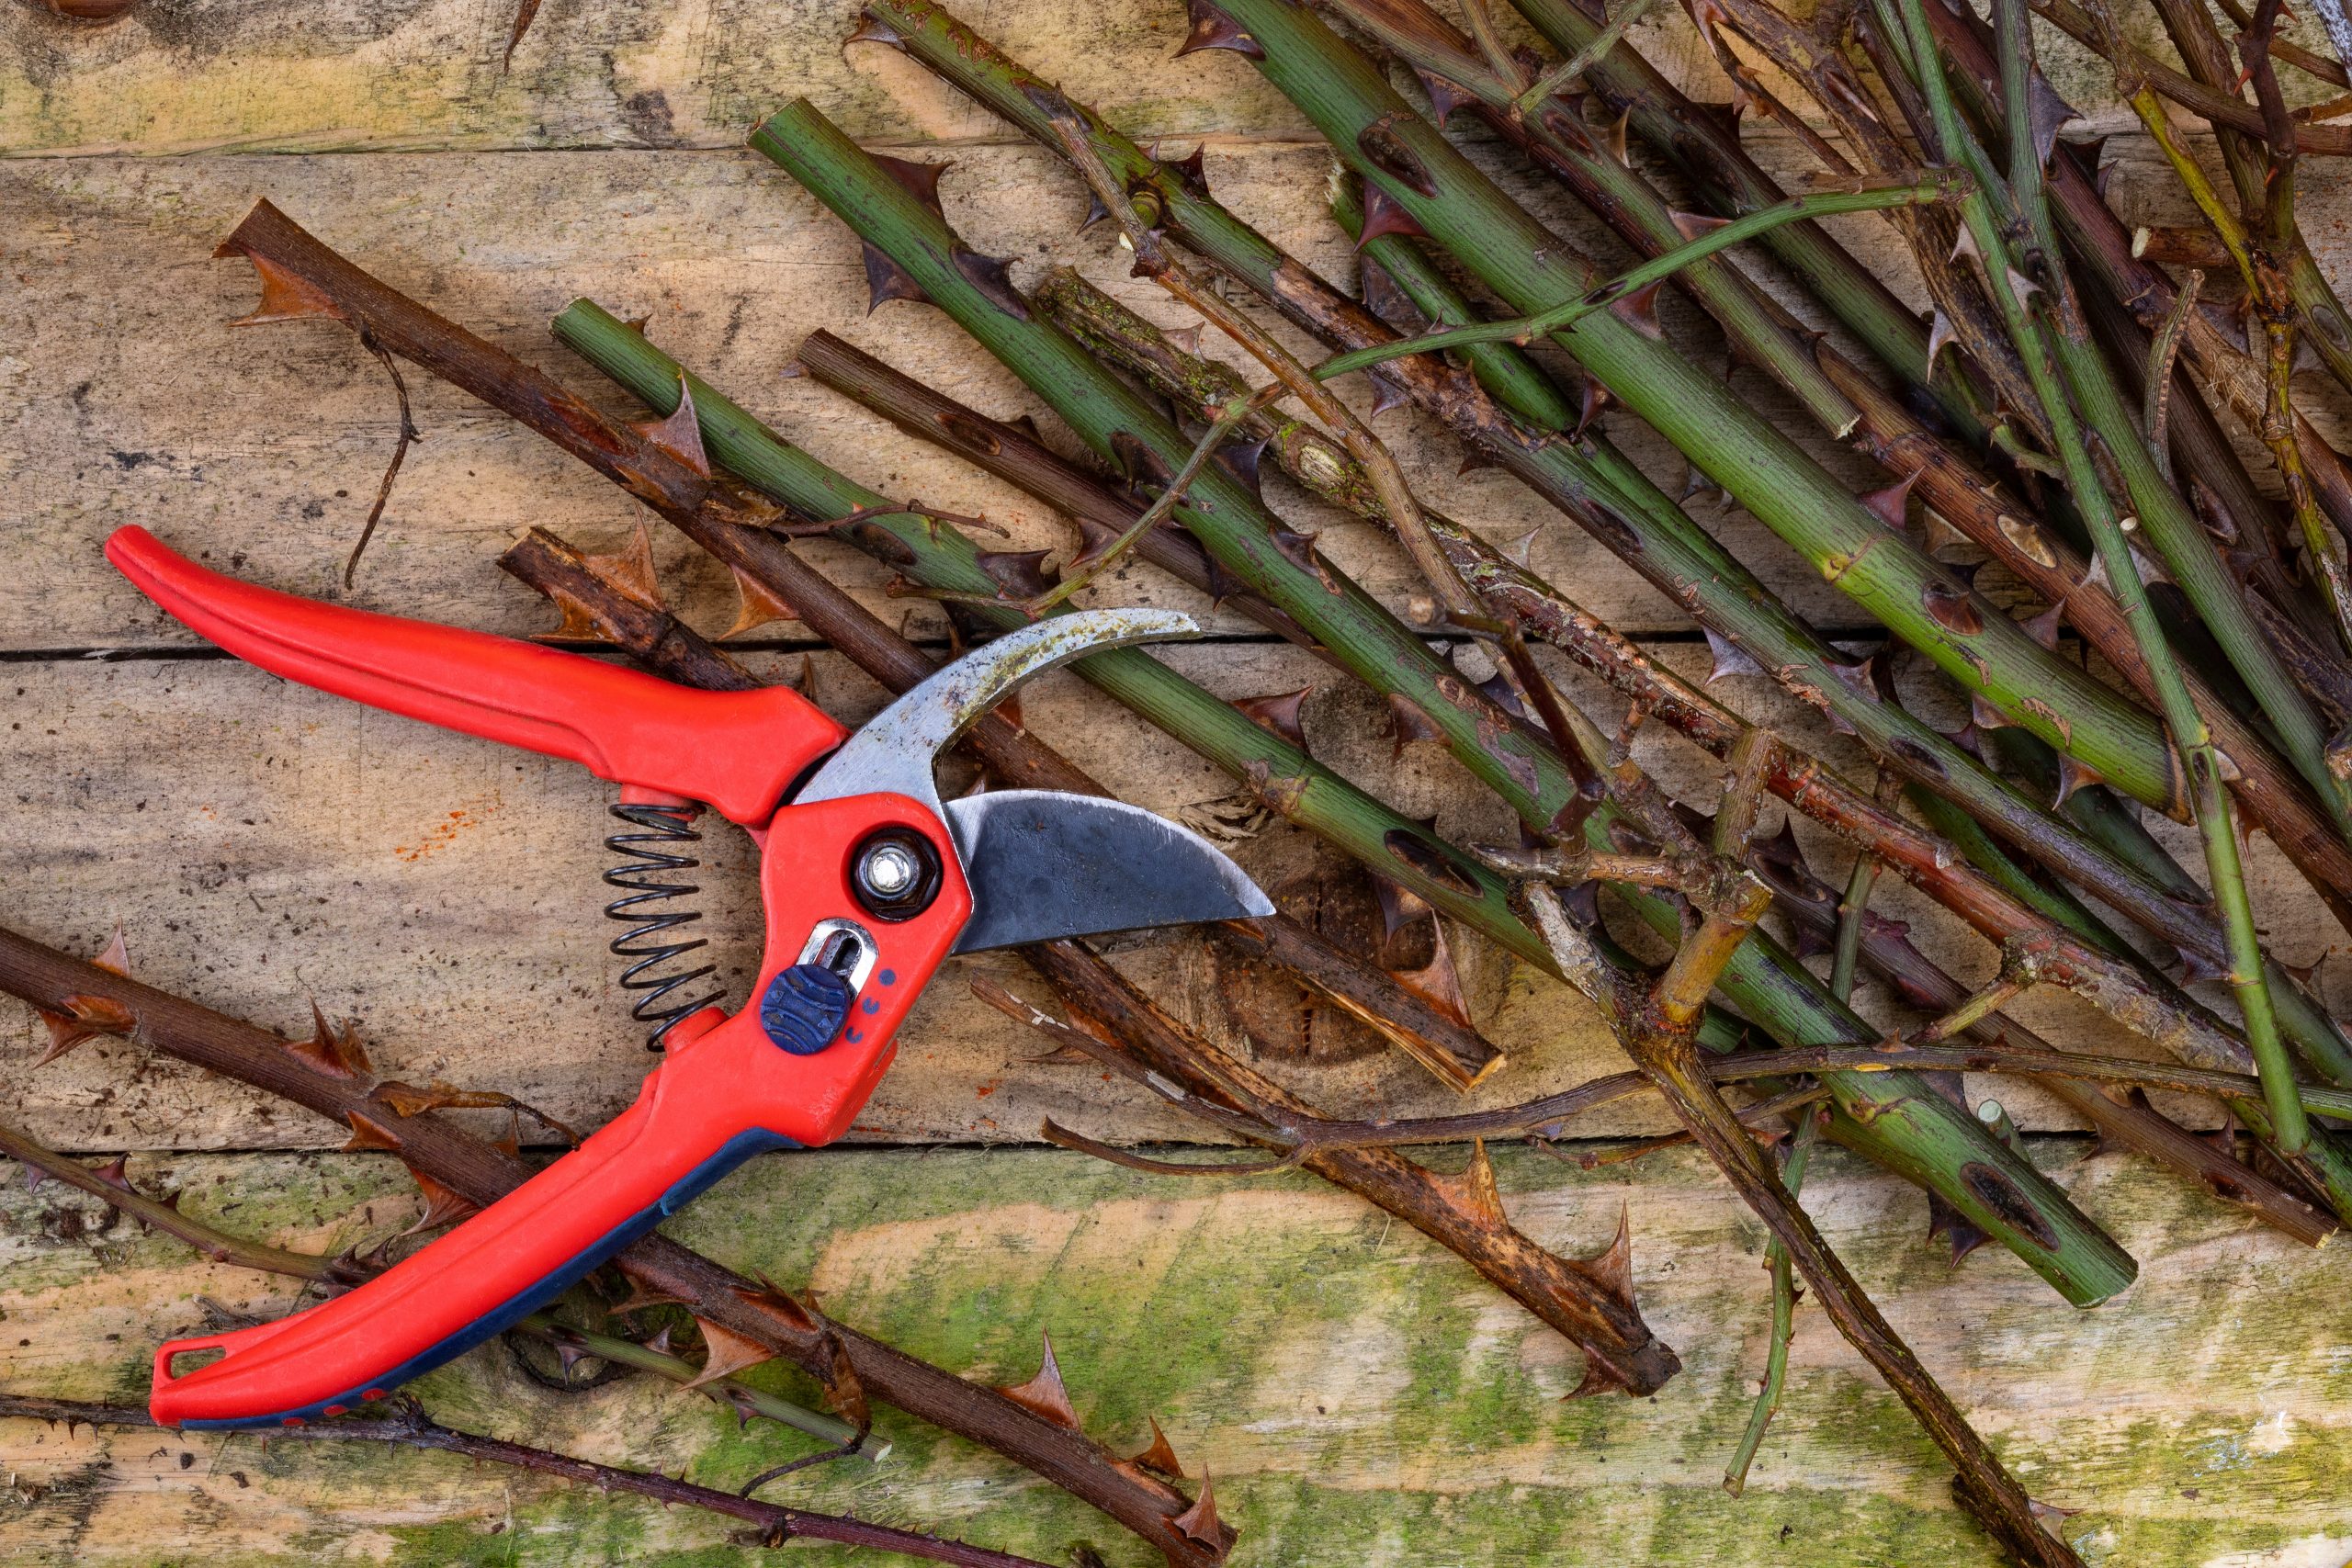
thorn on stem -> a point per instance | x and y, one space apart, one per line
1044 1395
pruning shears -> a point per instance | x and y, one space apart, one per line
867 881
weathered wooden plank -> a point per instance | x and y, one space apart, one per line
424 74
262 844
216 75
126 396
1357 1394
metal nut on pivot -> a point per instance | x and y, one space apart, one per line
895 873
890 870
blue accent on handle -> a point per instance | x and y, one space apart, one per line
803 1008
695 1182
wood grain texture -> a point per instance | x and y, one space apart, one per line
123 387
286 76
1358 1395
263 845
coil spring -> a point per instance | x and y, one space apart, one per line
646 873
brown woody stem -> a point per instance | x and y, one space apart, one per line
340 1273
1552 1288
471 1167
408 1427
1589 1305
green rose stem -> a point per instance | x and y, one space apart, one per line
2113 980
1564 474
1946 479
1416 169
1743 605
2059 357
1905 1128
2128 878
1738 230
1532 270
1709 154
2097 406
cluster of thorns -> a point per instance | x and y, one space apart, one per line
2067 409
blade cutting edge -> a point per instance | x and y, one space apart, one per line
1043 864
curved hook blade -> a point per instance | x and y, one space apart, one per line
894 753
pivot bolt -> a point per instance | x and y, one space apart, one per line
890 870
895 873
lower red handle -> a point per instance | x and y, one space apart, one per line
793 1069
683 1133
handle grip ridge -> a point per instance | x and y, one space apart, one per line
739 751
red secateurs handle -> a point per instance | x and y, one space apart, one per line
738 750
794 1068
